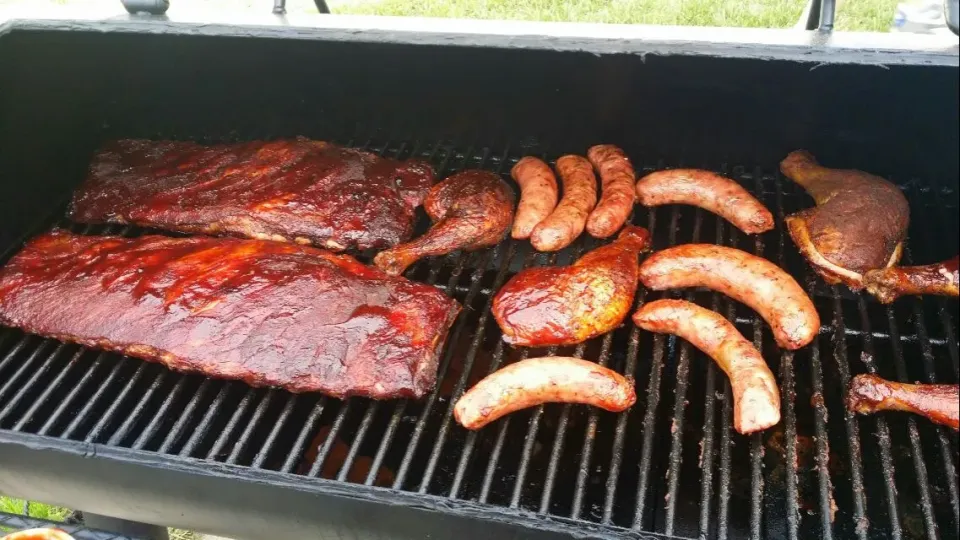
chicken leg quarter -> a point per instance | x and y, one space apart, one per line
571 304
858 225
471 210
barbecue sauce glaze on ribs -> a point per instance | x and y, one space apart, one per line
309 192
266 313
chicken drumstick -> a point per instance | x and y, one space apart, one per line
471 210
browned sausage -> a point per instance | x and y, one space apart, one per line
709 191
617 180
551 379
566 223
756 282
756 398
538 195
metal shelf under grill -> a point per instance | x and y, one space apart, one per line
670 465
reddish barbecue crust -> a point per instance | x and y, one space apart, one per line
266 313
299 190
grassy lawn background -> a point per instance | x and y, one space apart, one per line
859 15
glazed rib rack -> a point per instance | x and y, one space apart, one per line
671 465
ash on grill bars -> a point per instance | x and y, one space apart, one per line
556 295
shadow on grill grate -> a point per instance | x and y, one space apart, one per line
672 464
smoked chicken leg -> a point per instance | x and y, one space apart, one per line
889 284
939 403
567 305
858 225
471 210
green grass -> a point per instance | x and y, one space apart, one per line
863 15
55 513
871 15
37 510
765 13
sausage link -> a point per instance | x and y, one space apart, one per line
551 379
756 398
567 221
617 179
538 195
752 280
709 191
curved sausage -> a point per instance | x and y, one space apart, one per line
709 191
617 178
752 280
538 195
551 379
567 221
756 398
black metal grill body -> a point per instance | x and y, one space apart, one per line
120 437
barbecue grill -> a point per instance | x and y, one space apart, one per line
120 437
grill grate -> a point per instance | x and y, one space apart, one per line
672 464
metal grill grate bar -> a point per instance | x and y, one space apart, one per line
218 448
726 443
138 410
709 422
679 401
400 408
590 434
12 383
617 452
244 439
788 381
23 389
558 440
471 356
883 431
920 467
151 429
561 434
308 427
468 361
75 389
650 413
533 426
850 423
281 421
822 457
947 453
445 364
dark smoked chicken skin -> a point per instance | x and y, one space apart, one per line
940 403
858 225
300 190
566 305
471 210
891 283
267 313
